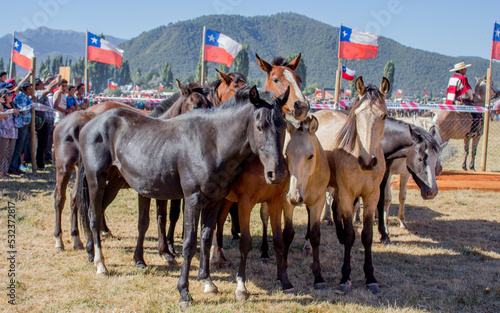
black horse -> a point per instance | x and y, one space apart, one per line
196 157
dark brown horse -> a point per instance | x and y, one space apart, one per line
66 149
188 162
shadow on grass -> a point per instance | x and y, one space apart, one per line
43 182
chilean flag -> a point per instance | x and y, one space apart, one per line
22 54
348 73
112 84
347 92
103 51
356 44
160 86
136 88
425 93
220 48
399 92
495 47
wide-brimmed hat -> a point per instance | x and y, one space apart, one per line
460 66
5 91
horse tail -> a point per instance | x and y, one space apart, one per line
83 199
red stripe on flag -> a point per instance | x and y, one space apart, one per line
218 55
353 51
495 50
21 60
104 56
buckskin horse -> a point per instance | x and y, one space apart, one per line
357 167
196 157
66 146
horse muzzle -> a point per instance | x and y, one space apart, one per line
300 110
295 198
369 164
429 194
275 177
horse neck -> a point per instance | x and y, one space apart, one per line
397 144
479 97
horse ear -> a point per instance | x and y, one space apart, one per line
290 128
385 85
283 98
266 67
415 137
477 79
294 64
182 89
360 86
253 96
226 78
313 125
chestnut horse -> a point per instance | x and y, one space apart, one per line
66 149
455 125
188 162
357 166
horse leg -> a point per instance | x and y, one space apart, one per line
217 256
142 226
97 183
327 216
75 233
235 222
307 249
403 183
63 175
475 142
264 246
388 202
367 239
161 217
466 153
208 219
173 215
384 237
345 217
315 238
288 231
244 208
193 205
275 211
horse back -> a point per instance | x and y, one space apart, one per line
108 105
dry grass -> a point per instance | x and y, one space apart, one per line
448 261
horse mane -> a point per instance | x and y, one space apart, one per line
348 134
279 61
210 87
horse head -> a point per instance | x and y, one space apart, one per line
280 76
267 133
480 91
226 86
190 97
423 161
364 128
302 154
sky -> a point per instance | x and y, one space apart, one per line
454 28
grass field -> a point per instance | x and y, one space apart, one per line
447 261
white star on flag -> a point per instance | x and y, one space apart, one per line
16 44
497 33
211 38
94 40
345 33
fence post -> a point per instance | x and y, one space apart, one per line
33 130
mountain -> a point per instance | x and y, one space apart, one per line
290 33
46 41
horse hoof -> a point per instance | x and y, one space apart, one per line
242 295
464 167
211 289
106 234
345 287
264 260
385 240
373 288
320 286
184 304
171 248
141 265
170 259
402 225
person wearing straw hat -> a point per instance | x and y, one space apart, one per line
460 92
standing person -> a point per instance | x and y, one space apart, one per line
60 100
459 90
71 101
81 101
22 122
43 133
8 132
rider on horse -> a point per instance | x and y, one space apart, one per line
460 90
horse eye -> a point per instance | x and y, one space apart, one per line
276 80
310 157
420 159
259 128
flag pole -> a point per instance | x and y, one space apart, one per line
32 128
202 74
12 54
487 104
337 78
86 74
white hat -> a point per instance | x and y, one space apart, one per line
460 66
